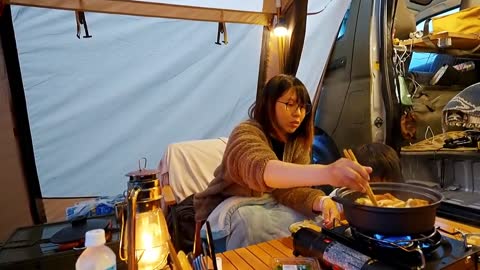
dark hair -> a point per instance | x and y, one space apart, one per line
383 159
263 110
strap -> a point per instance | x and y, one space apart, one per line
426 33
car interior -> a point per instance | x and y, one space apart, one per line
432 76
432 67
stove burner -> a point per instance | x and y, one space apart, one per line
426 242
403 241
414 247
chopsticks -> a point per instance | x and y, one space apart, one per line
348 153
211 247
202 261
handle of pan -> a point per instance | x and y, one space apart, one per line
343 201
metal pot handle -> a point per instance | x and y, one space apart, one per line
342 201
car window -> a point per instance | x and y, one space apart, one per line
425 62
448 12
343 26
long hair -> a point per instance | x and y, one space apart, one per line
263 110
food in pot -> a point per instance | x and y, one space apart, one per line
388 200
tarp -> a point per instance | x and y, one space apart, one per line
319 40
97 105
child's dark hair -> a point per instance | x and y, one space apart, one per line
383 159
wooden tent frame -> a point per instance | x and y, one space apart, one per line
161 10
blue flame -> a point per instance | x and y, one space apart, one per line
398 240
425 245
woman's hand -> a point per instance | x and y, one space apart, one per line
346 173
328 207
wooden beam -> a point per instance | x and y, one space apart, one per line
150 9
269 6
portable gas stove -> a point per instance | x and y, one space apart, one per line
346 248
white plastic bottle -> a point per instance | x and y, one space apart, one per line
96 256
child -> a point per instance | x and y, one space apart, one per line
386 166
383 159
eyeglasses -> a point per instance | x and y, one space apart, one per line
293 107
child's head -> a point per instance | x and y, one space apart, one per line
383 159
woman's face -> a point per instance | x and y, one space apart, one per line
288 113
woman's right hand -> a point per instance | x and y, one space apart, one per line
346 173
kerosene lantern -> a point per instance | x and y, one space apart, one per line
143 222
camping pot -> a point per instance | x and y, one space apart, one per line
144 234
391 221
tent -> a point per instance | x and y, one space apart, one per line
86 109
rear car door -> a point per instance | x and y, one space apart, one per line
355 95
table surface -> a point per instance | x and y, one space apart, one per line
259 256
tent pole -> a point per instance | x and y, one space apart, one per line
21 122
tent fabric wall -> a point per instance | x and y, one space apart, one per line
98 105
319 40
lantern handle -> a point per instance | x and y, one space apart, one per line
131 223
140 163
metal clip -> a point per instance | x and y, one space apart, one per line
80 18
222 29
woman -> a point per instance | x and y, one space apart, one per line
270 153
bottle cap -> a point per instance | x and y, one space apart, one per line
94 238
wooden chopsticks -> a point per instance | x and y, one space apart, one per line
348 153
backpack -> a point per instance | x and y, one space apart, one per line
181 224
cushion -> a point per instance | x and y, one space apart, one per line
188 166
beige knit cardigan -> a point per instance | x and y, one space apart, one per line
241 172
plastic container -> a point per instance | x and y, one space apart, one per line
96 256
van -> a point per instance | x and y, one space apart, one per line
385 82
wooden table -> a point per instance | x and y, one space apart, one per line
259 256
